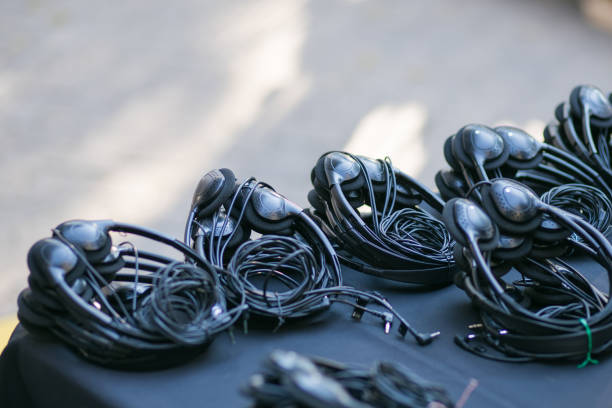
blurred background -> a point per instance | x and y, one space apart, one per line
115 109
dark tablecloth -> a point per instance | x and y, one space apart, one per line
43 372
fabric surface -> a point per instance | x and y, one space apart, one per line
42 372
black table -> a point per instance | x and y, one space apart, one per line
43 372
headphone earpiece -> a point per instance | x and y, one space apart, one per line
112 264
356 198
268 212
467 222
512 206
591 97
241 232
31 313
51 260
90 236
450 184
448 154
524 150
213 189
339 168
550 231
480 147
316 202
544 250
512 247
44 295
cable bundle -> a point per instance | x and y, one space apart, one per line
382 221
292 380
118 305
554 311
289 271
584 201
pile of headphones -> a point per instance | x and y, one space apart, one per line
509 208
514 207
289 379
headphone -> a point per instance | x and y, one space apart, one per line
118 305
383 222
272 254
478 153
585 122
290 379
554 309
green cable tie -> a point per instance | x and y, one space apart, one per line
588 358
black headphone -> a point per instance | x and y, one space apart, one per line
398 236
558 309
585 126
296 265
478 153
290 379
159 312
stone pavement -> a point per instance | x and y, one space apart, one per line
114 110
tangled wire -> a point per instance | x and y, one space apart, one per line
409 230
417 233
584 201
286 264
289 379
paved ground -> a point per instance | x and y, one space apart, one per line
109 110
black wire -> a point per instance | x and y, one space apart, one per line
584 201
289 379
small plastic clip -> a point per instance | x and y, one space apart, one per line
388 321
403 329
359 308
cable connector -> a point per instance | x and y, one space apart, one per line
387 321
359 309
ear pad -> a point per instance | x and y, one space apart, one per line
82 289
570 136
512 206
450 184
480 144
109 268
321 189
550 231
342 168
512 247
464 219
545 250
241 231
448 153
524 150
559 112
45 296
599 107
89 236
316 201
552 136
212 190
31 313
356 198
268 212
